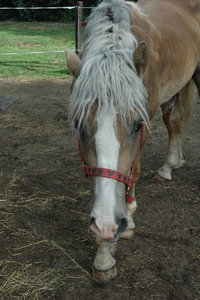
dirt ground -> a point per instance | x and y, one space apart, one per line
46 249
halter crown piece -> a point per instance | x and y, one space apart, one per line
113 174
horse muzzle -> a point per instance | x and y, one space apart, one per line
107 230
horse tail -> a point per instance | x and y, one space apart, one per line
187 97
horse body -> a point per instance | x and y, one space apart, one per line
174 57
174 46
136 58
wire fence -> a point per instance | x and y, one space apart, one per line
78 7
61 7
39 52
58 7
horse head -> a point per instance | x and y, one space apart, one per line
109 136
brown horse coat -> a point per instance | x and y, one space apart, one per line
171 30
129 67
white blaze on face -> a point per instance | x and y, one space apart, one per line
107 153
107 145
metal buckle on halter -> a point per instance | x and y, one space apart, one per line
131 176
128 198
130 183
128 189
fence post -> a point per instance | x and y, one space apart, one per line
79 17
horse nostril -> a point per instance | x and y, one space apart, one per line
104 227
94 226
123 224
91 221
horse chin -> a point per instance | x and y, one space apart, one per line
113 240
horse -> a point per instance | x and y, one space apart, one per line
137 57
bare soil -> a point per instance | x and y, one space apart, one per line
46 249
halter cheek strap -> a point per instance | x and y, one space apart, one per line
113 174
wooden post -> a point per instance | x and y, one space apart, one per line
79 16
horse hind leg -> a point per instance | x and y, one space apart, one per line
176 114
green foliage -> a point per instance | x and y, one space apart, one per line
30 15
6 14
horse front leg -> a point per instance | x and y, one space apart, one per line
172 117
104 266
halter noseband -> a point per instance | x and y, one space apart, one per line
113 174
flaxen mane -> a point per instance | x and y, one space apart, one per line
108 76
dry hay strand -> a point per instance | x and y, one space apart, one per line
73 260
22 276
26 281
23 281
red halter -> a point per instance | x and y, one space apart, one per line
113 174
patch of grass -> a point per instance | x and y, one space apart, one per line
22 37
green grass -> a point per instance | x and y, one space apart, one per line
22 37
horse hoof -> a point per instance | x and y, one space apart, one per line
165 172
159 178
104 276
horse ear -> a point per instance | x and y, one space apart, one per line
141 58
73 61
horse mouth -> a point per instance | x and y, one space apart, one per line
112 236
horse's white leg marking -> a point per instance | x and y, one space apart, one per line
173 112
174 159
104 259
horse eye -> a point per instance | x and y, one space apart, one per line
76 124
136 127
79 127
